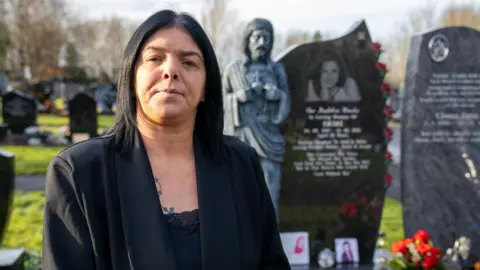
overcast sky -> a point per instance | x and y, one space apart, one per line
329 16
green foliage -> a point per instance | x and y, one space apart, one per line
24 227
317 36
35 159
32 159
392 221
57 120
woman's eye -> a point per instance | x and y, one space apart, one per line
189 63
154 59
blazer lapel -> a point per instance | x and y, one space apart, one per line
218 218
144 226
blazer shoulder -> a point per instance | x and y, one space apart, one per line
82 154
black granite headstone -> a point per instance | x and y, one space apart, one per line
83 115
440 151
7 177
333 173
19 111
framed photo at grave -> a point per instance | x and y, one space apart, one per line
296 246
334 167
346 251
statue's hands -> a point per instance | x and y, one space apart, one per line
242 95
256 86
272 92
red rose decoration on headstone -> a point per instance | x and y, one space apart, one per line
388 156
388 111
388 133
377 47
381 67
386 89
388 179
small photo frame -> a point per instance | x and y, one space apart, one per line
439 48
346 251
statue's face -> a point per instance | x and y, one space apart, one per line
259 42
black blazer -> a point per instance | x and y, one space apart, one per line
102 211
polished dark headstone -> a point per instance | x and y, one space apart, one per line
83 115
441 136
333 174
19 111
3 132
7 176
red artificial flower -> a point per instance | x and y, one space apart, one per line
388 133
377 47
400 247
381 67
421 236
388 111
408 241
423 248
353 212
433 251
388 156
349 209
388 179
386 88
430 262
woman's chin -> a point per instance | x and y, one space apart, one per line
165 115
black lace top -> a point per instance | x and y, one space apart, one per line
184 230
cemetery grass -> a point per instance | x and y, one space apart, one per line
24 229
34 160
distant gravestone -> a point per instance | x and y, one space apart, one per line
83 117
3 83
7 177
334 168
19 111
441 136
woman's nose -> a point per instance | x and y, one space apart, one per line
170 69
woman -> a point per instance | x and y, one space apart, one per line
331 82
165 189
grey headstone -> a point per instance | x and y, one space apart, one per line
441 136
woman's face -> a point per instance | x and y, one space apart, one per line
330 73
169 77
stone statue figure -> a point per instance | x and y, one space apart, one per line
257 100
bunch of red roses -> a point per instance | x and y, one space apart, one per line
417 252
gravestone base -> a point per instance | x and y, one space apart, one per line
12 259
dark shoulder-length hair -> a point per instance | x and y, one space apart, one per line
209 120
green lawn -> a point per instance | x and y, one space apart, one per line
24 229
57 120
32 159
35 159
